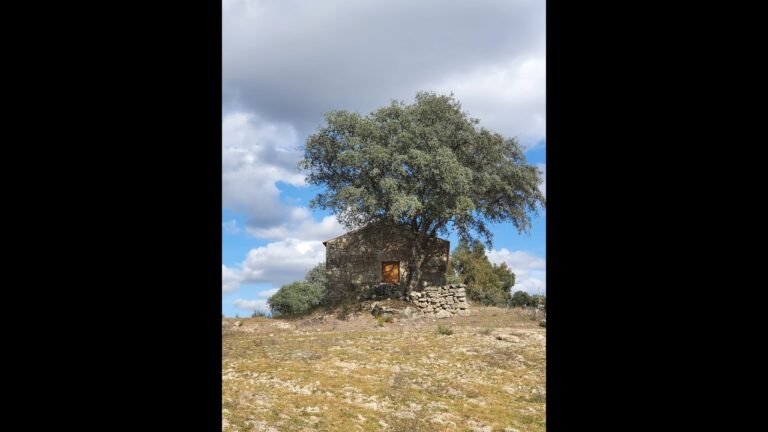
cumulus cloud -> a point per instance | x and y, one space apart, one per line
529 269
267 294
508 97
255 156
282 262
301 225
276 263
231 227
230 279
251 305
293 60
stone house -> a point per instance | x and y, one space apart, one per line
379 254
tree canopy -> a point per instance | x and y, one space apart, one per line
427 164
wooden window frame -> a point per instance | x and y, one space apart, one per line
383 263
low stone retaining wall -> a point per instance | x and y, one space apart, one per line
442 301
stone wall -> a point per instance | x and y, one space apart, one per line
442 301
353 261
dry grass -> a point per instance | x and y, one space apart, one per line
326 374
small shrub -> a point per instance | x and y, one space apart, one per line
297 298
444 330
258 313
486 331
380 319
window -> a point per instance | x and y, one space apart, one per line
390 272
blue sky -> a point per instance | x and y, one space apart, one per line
286 63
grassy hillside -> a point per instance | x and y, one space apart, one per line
325 374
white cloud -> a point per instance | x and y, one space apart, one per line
507 97
301 225
230 279
293 60
255 156
231 227
282 262
251 305
529 269
268 293
276 263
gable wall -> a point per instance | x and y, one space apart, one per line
354 261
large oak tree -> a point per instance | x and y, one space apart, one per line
427 165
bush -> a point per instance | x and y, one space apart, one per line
444 330
487 284
258 313
520 299
317 275
300 297
297 298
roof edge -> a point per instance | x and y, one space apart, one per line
366 226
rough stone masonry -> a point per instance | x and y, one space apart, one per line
442 301
379 254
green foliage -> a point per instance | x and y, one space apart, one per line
538 299
380 319
505 276
317 275
258 313
427 165
487 284
301 297
296 298
521 298
444 330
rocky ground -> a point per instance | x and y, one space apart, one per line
323 373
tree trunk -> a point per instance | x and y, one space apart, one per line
414 274
415 264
